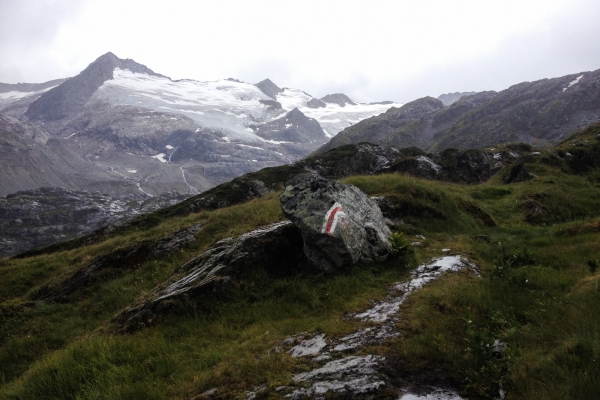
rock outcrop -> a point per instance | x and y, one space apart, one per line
275 249
269 88
333 371
338 98
340 224
116 263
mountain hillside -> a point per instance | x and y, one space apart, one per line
490 289
541 113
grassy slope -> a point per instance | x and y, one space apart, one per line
536 292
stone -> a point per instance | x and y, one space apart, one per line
276 249
340 225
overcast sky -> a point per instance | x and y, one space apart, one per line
371 50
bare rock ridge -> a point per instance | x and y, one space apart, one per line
338 98
269 88
451 98
69 97
29 87
340 225
541 112
294 127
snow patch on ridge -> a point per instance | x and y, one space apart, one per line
573 82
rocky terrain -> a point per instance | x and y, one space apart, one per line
41 217
282 284
539 113
465 167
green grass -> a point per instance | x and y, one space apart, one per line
537 293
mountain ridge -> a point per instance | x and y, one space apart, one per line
542 112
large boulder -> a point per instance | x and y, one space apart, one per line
340 224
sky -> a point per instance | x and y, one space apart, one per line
374 50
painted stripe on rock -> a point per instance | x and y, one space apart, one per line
331 219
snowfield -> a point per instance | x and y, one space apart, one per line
228 105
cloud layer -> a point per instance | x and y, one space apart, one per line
384 50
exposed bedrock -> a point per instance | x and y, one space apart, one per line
340 224
275 250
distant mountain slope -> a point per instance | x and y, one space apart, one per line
15 98
541 112
30 159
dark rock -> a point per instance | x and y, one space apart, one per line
397 127
339 99
315 103
269 88
276 249
420 166
360 159
294 127
340 224
271 104
451 165
517 173
116 263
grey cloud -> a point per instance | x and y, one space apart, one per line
27 30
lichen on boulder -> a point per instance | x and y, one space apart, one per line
340 225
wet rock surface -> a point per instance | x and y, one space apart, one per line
340 225
276 249
334 371
116 263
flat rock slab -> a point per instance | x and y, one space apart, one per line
340 225
276 248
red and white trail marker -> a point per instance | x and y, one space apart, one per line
331 219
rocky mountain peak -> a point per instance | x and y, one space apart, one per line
269 88
339 99
69 97
294 127
315 103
